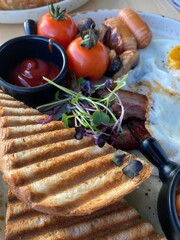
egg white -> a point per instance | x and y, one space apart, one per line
155 79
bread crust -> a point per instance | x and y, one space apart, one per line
22 4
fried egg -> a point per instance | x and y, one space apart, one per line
158 77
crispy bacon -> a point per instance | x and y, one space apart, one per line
126 141
133 130
135 104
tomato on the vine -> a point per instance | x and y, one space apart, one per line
87 61
58 26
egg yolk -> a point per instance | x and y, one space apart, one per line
174 58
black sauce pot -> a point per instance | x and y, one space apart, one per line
32 46
169 173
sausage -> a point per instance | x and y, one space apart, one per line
119 37
129 59
137 26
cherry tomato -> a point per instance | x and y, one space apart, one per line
58 26
86 62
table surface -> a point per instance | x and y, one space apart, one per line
162 7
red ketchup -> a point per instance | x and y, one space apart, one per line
30 72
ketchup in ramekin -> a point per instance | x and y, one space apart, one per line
30 72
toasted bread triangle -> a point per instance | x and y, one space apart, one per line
117 221
54 173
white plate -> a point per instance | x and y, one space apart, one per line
19 16
145 197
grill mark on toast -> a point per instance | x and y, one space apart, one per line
117 221
27 157
138 231
63 181
18 210
104 225
105 220
49 167
11 121
116 228
80 194
5 96
120 230
12 199
11 103
51 224
98 195
70 233
29 130
11 111
109 193
36 140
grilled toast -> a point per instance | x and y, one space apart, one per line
117 221
54 173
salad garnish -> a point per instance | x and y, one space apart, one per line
84 108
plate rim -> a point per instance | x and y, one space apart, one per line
116 9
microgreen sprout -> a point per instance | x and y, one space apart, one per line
133 168
119 158
89 114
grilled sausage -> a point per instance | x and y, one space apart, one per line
137 26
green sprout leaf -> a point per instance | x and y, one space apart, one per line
57 94
65 120
76 98
100 118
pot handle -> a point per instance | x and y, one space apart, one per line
30 27
153 151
